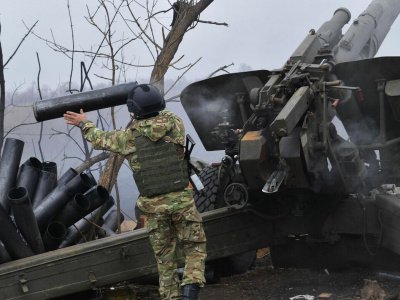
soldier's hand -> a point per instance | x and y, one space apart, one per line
74 118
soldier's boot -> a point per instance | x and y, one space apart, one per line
190 291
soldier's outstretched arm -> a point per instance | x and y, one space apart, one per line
117 141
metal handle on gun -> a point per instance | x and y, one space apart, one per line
188 152
192 144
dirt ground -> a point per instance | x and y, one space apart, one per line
264 281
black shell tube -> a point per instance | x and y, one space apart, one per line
105 231
34 162
54 235
58 197
25 219
51 167
45 184
97 195
91 177
85 238
4 255
11 239
51 205
92 100
79 230
110 224
67 176
9 166
112 220
27 178
74 210
106 206
82 227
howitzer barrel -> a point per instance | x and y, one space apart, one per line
328 34
92 100
368 31
331 31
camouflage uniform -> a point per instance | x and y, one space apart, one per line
171 216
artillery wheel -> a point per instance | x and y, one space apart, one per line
212 198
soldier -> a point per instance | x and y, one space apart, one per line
154 148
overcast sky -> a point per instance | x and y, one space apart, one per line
261 34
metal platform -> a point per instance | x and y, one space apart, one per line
122 257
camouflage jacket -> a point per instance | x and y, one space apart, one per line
123 142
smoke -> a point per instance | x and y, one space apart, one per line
341 130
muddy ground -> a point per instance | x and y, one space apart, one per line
264 281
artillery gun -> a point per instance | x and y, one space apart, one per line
313 147
318 194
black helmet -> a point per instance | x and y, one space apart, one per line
145 101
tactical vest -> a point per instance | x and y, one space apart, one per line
161 169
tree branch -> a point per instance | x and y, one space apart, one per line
69 135
213 23
73 47
20 43
184 20
220 69
176 81
40 96
93 160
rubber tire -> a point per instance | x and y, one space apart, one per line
212 198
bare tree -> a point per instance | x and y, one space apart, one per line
187 18
2 81
142 18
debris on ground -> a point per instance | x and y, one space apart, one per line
300 297
372 291
266 282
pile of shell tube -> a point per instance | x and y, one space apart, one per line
41 213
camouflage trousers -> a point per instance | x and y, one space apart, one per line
165 229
